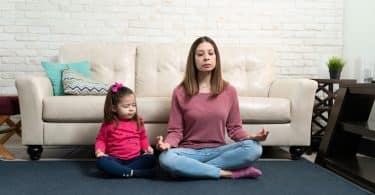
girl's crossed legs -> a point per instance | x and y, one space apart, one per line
141 166
210 162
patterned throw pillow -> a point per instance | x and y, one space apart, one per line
54 72
76 83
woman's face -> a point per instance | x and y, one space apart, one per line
205 57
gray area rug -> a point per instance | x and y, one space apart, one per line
82 177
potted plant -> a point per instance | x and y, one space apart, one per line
335 65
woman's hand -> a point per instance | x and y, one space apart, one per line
260 135
160 145
149 150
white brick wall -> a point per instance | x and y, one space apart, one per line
304 33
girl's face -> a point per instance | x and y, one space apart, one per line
126 107
205 57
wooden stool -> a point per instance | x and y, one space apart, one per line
8 106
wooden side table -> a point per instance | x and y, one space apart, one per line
348 125
8 106
324 99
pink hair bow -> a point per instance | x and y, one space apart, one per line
116 87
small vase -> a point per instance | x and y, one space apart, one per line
334 74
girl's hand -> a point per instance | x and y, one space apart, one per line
149 150
160 145
100 154
260 136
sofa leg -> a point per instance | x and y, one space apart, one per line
34 151
296 152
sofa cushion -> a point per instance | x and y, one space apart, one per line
73 108
109 62
252 109
156 109
77 84
249 69
265 110
90 108
54 73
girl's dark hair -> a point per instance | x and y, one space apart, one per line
190 81
111 100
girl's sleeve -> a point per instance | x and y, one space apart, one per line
234 122
144 138
175 123
101 138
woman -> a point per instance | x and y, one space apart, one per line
203 107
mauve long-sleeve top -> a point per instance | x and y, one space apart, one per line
200 121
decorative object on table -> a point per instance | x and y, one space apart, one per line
367 69
335 65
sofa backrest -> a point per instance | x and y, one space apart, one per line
160 67
109 62
249 69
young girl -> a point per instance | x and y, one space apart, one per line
122 137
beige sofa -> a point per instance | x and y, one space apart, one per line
283 106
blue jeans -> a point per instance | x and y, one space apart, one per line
207 162
141 166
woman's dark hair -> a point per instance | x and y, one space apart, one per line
112 99
190 81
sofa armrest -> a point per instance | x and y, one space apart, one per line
301 93
31 92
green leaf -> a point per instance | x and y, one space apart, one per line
335 63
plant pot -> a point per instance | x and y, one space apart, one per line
334 74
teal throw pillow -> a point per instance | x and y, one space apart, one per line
76 83
54 72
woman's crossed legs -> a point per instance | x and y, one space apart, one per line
231 160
